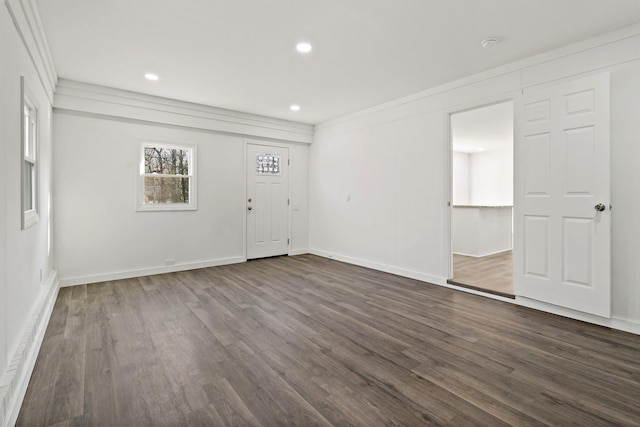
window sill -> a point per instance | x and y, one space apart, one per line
167 207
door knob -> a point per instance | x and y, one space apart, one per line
249 208
600 207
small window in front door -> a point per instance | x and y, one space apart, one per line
267 164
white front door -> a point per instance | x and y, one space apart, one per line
562 195
267 201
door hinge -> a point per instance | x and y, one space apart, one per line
288 241
289 162
288 201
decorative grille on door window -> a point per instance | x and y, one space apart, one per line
267 164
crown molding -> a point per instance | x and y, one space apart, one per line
26 18
622 34
101 100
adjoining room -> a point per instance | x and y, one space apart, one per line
482 196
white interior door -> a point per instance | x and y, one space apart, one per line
267 201
562 195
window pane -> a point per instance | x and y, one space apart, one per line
166 190
27 126
28 185
32 136
29 150
267 164
170 161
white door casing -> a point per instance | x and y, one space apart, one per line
267 206
562 252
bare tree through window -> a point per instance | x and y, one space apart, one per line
166 174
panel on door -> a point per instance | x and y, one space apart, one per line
562 195
267 201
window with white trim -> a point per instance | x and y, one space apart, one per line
29 166
167 177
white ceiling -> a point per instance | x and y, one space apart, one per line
483 129
240 55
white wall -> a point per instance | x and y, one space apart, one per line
5 77
491 178
625 182
461 182
481 231
100 234
397 182
483 179
27 276
393 160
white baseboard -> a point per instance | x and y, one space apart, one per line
298 252
16 378
435 280
483 255
381 267
105 277
614 323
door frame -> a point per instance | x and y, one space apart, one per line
245 143
469 106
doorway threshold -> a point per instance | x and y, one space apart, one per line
477 288
267 257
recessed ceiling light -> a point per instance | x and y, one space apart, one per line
480 149
151 76
303 47
489 43
295 107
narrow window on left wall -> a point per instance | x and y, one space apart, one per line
29 159
167 177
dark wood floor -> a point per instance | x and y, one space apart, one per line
491 273
309 341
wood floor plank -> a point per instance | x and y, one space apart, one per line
309 341
68 392
229 406
39 396
490 273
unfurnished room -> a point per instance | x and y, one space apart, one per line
337 213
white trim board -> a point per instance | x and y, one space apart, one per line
128 274
105 277
380 267
614 323
429 279
584 57
16 378
26 18
101 100
483 255
294 252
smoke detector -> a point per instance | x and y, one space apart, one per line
489 43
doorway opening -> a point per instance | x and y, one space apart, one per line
482 141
